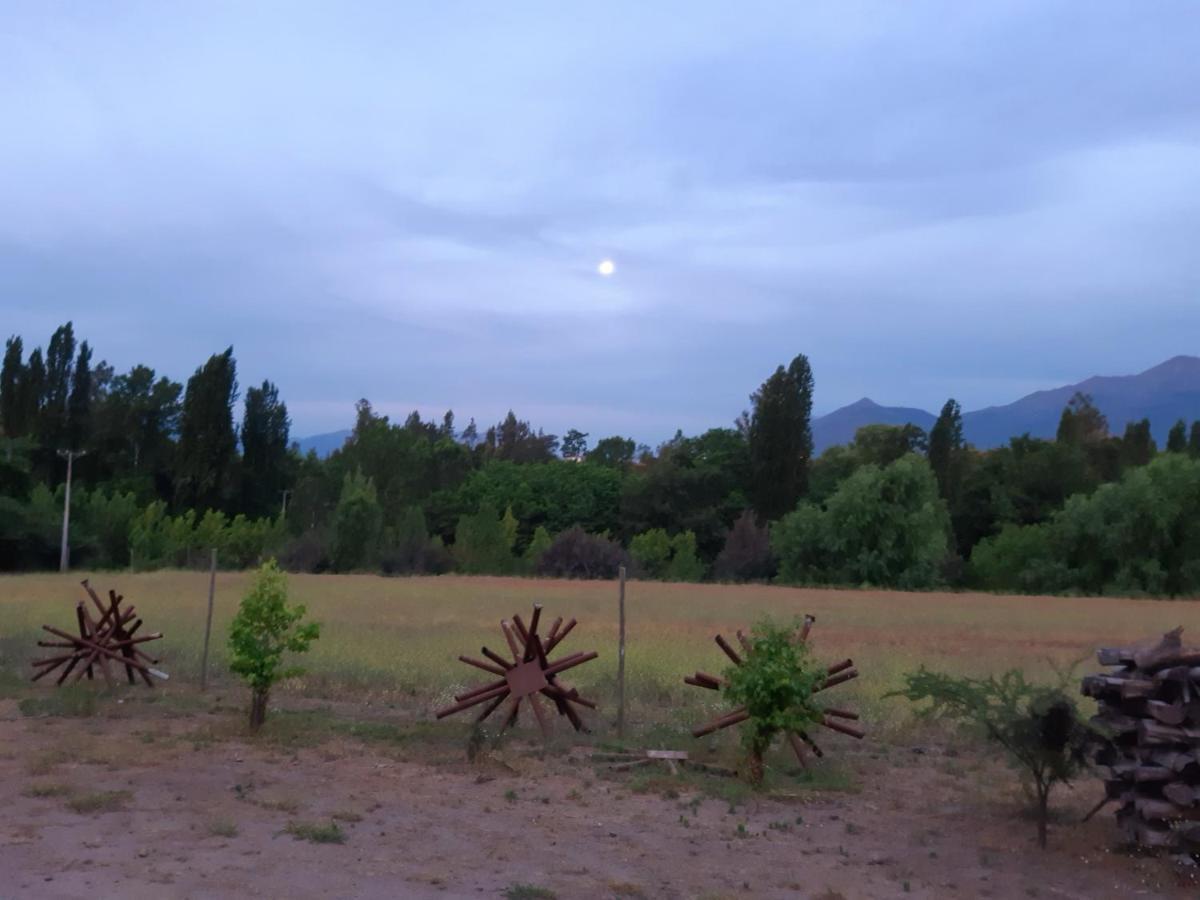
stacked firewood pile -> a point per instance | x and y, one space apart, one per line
1150 707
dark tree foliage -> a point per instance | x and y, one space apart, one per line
33 389
79 402
945 451
515 440
882 445
779 431
265 460
692 484
1137 446
1194 440
1081 422
577 554
12 376
574 444
56 391
614 452
1177 438
747 554
205 463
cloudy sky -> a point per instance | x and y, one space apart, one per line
408 202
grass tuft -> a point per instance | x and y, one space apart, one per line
99 801
316 834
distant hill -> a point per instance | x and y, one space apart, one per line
838 427
1164 394
324 444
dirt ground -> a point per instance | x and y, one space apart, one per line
207 813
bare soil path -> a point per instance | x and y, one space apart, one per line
207 812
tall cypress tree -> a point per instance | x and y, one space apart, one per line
12 372
265 427
1194 440
1177 439
56 389
779 432
1137 446
206 459
80 400
32 389
945 447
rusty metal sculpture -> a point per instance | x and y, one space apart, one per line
529 674
110 639
836 674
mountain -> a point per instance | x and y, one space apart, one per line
1164 394
324 444
838 427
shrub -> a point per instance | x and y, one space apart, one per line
1039 727
306 552
685 565
538 544
577 554
483 543
747 554
265 628
775 683
651 551
407 544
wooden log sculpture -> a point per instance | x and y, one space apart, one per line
111 639
528 675
834 718
1150 708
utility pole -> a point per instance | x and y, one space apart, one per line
64 558
283 511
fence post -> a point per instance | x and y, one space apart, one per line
212 588
621 660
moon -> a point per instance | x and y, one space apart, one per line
606 267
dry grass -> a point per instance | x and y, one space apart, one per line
394 641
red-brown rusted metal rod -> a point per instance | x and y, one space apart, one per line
496 658
733 718
479 664
561 636
844 729
571 662
797 748
467 704
839 667
557 624
744 641
475 692
840 713
848 675
510 636
699 682
729 651
806 628
533 620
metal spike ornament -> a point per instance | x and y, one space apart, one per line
110 639
833 717
529 676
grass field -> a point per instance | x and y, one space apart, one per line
394 641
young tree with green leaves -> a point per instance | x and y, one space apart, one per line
779 434
1038 727
775 682
264 629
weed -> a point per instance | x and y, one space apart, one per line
345 815
528 892
222 828
316 834
100 801
48 790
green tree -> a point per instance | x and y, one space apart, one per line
12 372
885 527
264 629
1194 440
574 444
79 402
779 433
357 523
945 451
538 544
775 683
882 445
56 390
1177 439
1137 446
1081 422
614 452
207 454
265 460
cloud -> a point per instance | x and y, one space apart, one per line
409 204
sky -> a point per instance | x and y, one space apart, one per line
408 202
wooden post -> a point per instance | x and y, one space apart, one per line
621 659
212 589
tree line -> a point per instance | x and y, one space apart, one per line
169 470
